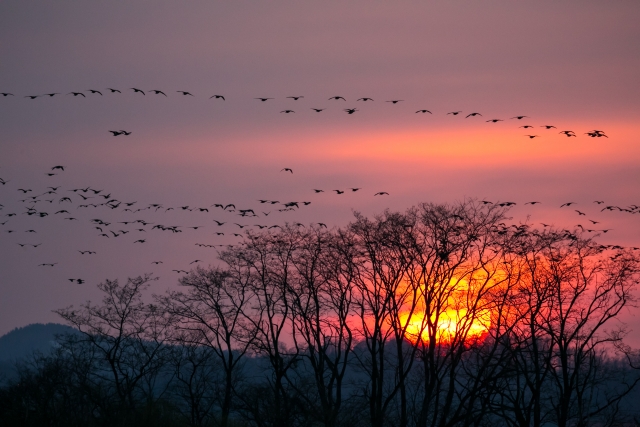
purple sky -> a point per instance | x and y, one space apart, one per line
571 64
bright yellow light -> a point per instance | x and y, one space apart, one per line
453 323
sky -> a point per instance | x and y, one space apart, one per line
571 64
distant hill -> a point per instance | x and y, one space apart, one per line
22 342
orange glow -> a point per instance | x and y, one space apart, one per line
454 322
450 324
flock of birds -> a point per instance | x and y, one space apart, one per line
73 205
70 205
594 133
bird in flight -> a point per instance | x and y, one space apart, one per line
567 204
495 120
317 110
185 93
355 189
526 127
519 117
455 113
137 90
58 167
473 115
596 134
286 170
295 98
337 97
287 111
95 91
338 191
532 136
395 101
381 193
7 94
32 96
217 97
568 132
158 92
364 99
76 94
263 99
113 90
548 127
531 203
350 110
115 132
50 94
424 111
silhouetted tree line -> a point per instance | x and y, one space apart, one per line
437 317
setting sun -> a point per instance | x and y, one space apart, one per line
449 324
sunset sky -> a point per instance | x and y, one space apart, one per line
570 64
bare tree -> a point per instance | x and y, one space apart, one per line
459 266
321 297
211 313
381 294
265 262
565 332
129 338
